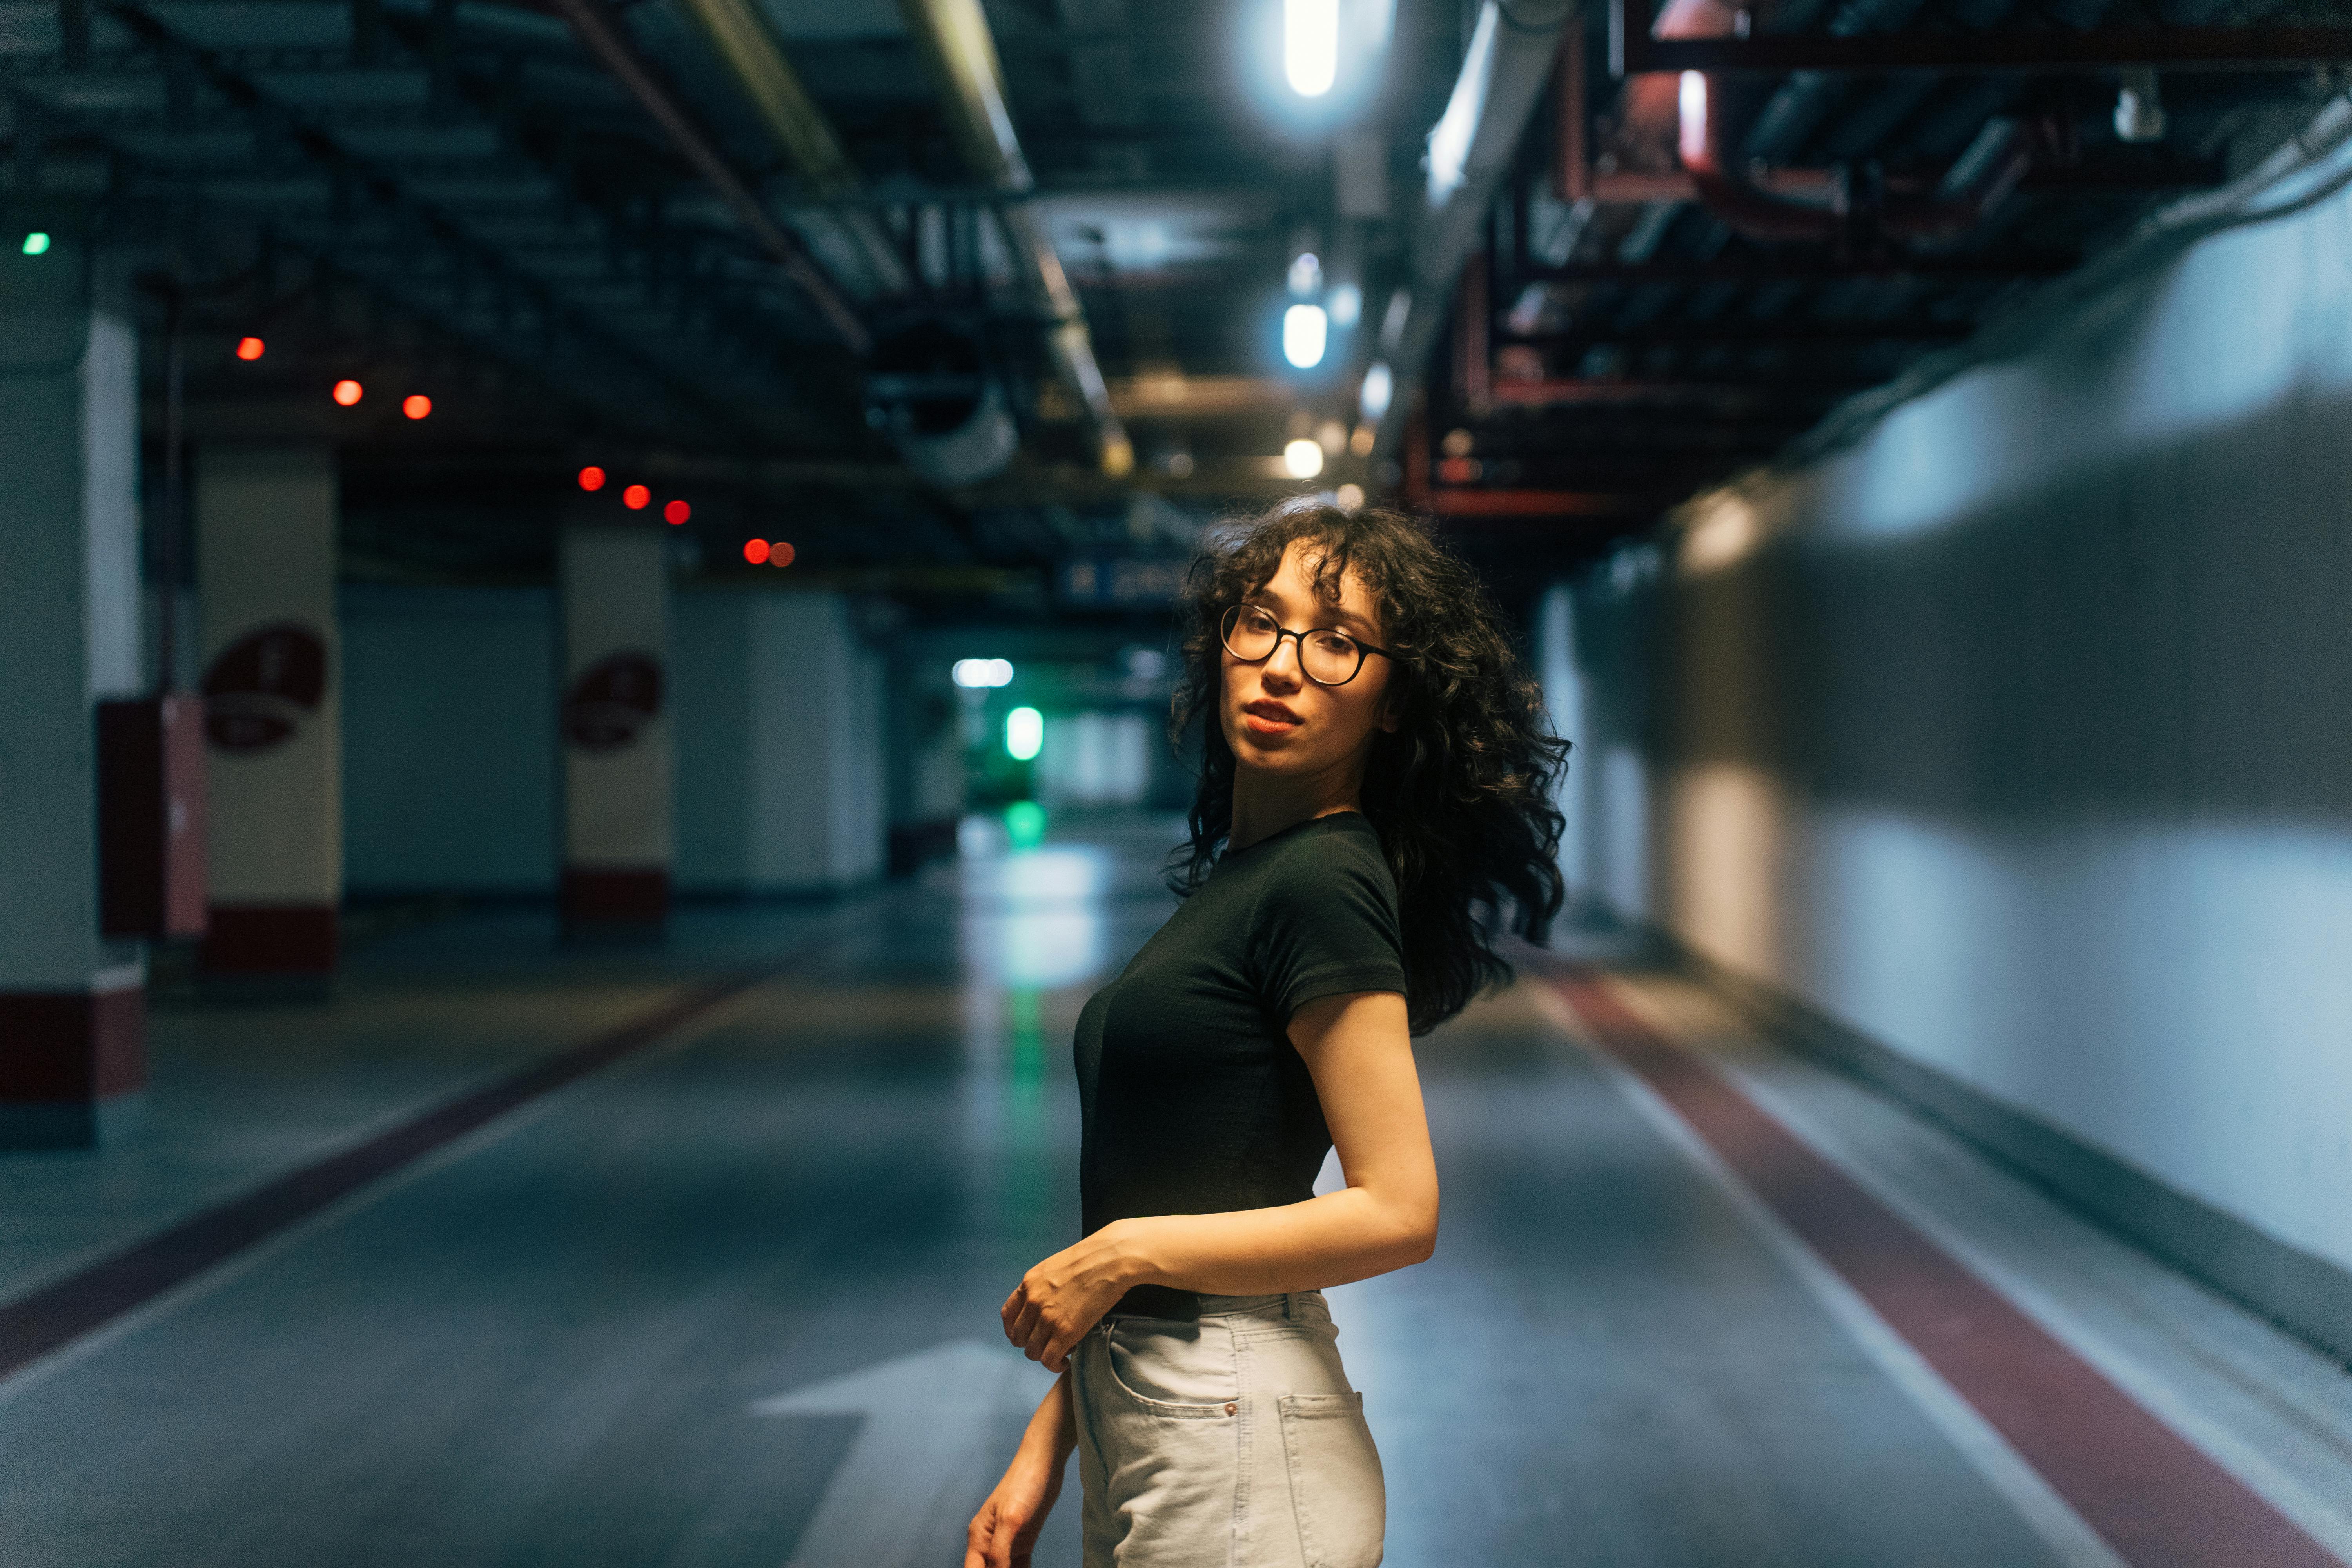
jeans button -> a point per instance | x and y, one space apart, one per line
1233 1409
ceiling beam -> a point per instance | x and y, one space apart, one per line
1632 51
1799 333
747 46
601 33
1822 267
956 43
1763 390
1457 502
368 204
465 243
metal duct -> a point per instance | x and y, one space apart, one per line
751 52
2312 165
1715 124
1979 181
954 37
602 32
1470 149
930 385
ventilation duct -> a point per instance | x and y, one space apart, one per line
1503 74
930 386
954 36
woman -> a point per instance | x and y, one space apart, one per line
1376 776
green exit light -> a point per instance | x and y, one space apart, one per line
37 243
1024 734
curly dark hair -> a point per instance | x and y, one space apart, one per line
1461 793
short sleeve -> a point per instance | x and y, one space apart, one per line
1327 924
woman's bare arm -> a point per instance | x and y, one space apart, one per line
1004 1532
1359 1052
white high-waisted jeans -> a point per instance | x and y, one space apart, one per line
1233 1442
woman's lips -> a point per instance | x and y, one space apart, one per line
1266 717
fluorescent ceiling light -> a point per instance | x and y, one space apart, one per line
1310 46
1379 387
1449 139
1304 330
982 672
1024 734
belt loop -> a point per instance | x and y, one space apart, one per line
1290 1306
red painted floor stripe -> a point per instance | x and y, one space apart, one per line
51 1318
2157 1501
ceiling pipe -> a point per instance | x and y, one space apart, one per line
600 32
1981 178
1576 179
954 37
1503 77
1701 135
748 46
1774 204
2312 166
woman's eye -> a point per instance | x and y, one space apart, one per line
1334 643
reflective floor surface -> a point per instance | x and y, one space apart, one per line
722 1290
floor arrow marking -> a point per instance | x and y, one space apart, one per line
898 1499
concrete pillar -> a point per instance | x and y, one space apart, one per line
617 837
72 1002
272 683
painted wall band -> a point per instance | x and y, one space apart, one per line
2306 1295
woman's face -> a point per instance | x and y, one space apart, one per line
1278 721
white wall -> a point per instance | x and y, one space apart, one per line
1096 758
1593 642
449 740
2020 735
780 724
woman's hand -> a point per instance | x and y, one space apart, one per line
1358 1050
1004 1532
1057 1301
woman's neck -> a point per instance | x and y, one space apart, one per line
1263 804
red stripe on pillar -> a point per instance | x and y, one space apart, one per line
607 896
270 939
61 1047
2159 1501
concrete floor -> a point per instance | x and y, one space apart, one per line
731 1298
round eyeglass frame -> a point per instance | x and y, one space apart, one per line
1232 614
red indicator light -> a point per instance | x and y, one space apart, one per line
755 551
592 479
635 497
780 554
416 405
248 348
677 512
347 393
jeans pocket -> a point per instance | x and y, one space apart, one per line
1174 1367
1335 1480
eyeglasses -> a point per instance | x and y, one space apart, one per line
1326 657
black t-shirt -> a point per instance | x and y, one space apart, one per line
1193 1099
